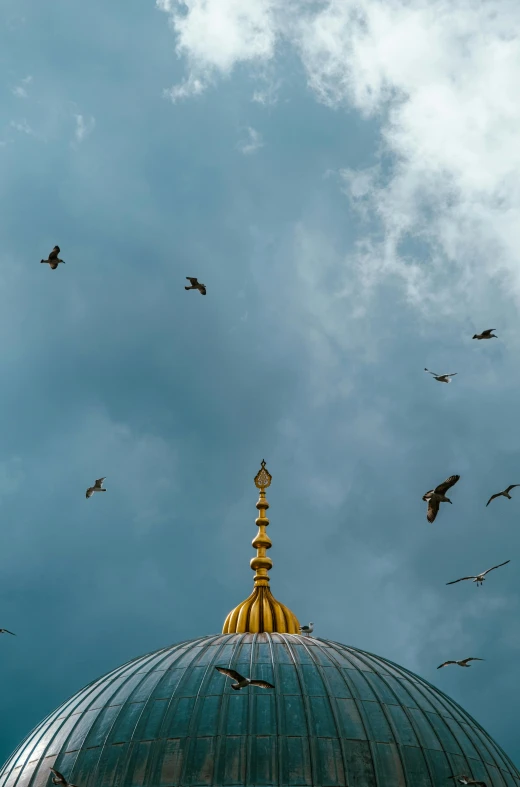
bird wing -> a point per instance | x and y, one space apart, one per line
492 498
262 683
58 774
445 663
54 253
192 280
90 491
202 289
450 375
427 495
471 658
433 509
427 370
442 488
510 487
99 482
489 330
493 568
459 580
6 631
231 673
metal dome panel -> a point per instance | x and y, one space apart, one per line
337 716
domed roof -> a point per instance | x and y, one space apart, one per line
337 716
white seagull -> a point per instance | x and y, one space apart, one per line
437 496
504 493
478 578
242 682
98 487
59 778
307 629
486 334
461 663
53 260
441 378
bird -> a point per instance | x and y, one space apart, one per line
98 487
59 778
486 334
505 493
242 682
54 260
437 496
196 285
441 378
461 663
479 578
6 631
307 629
468 780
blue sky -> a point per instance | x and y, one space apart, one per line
346 187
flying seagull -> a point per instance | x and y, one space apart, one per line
468 780
478 578
5 631
242 682
307 629
98 487
441 378
59 778
54 260
486 334
196 285
437 496
461 663
505 493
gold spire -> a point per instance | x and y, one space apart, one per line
261 611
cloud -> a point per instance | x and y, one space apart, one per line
20 90
83 127
252 144
23 127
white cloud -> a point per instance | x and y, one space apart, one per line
20 90
253 143
23 127
83 127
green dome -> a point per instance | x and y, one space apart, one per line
337 716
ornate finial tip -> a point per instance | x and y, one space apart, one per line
263 477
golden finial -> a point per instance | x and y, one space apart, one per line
261 611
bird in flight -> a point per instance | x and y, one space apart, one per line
504 493
307 629
54 260
98 487
468 780
461 663
486 334
242 682
196 285
441 378
437 496
59 778
6 631
478 578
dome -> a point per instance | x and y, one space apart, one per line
337 716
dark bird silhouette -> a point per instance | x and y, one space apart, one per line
59 778
461 663
196 285
98 487
242 682
53 260
504 493
441 378
486 334
6 631
468 780
478 578
437 496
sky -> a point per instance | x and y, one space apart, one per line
344 177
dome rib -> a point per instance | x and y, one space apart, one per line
337 716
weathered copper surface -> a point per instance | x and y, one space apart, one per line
338 716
